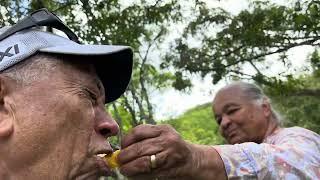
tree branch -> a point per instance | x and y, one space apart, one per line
255 67
131 111
308 42
142 75
139 103
119 121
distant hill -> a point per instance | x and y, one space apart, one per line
197 125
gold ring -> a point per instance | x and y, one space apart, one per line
153 161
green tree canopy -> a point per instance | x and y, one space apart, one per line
226 42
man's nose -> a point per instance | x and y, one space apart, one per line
105 124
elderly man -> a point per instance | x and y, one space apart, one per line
259 148
53 92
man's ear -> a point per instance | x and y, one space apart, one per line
6 111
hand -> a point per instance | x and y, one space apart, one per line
174 156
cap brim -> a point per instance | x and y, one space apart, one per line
114 65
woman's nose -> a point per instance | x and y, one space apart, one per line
225 122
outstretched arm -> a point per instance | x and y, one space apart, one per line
175 158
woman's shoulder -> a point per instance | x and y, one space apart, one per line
293 135
298 131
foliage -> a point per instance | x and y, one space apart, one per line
228 42
299 99
197 125
315 63
225 43
301 109
214 43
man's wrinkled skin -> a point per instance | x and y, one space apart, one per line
176 158
54 128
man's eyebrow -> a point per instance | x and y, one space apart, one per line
99 85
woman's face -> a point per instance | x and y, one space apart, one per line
240 120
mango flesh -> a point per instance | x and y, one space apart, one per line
112 159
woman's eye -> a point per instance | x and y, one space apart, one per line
231 111
219 119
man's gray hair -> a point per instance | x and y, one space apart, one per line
256 95
35 68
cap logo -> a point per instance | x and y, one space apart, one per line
7 52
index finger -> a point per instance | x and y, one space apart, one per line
140 133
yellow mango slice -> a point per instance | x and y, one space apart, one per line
112 159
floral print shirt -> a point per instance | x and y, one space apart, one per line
288 153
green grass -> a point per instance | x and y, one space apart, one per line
197 125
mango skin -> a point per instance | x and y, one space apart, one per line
112 159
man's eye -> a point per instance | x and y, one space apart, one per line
92 96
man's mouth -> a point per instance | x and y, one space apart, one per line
101 160
101 155
94 166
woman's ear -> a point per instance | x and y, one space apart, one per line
266 107
6 111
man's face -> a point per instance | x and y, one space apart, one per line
61 125
239 119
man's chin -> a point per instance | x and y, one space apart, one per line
87 177
94 169
94 175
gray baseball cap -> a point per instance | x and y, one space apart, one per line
113 63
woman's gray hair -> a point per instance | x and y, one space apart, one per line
256 95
